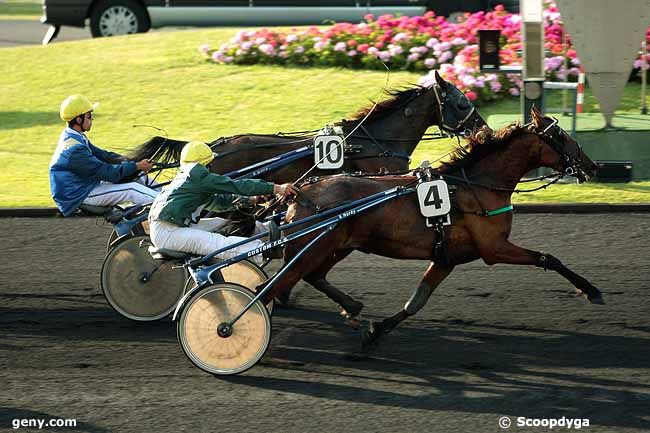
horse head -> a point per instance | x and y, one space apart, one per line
559 150
456 113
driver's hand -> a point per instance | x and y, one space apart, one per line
285 190
145 165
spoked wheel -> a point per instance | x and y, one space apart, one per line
137 286
114 240
244 273
209 342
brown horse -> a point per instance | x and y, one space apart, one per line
485 174
383 137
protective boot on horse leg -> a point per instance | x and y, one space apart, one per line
583 287
433 276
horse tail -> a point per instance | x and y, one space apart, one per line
164 150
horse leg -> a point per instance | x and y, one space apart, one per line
350 306
434 275
318 257
508 253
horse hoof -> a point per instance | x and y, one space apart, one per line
598 300
284 300
352 321
355 309
369 337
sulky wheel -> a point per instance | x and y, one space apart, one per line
139 287
244 273
114 240
207 340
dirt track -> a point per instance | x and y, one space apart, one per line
500 341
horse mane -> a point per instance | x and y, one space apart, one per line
480 144
398 98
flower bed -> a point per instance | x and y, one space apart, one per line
418 44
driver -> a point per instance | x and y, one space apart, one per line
81 173
174 217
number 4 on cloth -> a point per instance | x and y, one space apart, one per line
433 197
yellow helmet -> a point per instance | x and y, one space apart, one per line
74 106
197 151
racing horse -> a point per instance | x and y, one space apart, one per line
485 174
384 137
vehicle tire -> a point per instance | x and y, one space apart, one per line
139 287
244 273
201 324
118 17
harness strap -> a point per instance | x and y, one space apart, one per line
498 211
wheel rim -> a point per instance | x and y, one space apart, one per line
118 20
137 286
201 318
112 238
244 273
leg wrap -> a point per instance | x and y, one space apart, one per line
418 299
547 261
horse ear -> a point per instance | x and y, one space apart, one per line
439 79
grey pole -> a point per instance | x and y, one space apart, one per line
644 78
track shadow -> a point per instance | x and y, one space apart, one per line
484 369
82 323
25 119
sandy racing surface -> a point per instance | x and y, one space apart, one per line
492 342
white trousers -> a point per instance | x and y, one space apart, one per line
199 238
110 194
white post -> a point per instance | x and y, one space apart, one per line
644 77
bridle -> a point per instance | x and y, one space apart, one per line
442 96
555 136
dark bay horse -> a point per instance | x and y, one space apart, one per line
485 174
384 141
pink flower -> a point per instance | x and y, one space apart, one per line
395 50
373 51
204 49
432 42
292 38
429 62
340 46
267 49
471 96
299 49
445 56
352 53
363 48
413 57
514 91
352 43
